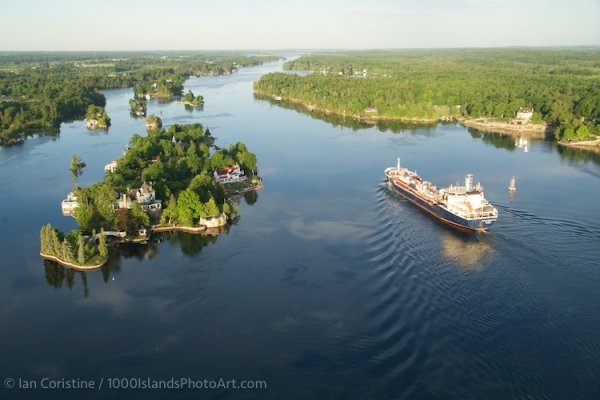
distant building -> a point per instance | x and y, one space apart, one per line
111 166
230 174
145 196
525 114
91 123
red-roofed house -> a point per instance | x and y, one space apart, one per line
230 174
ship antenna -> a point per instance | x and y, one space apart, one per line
398 165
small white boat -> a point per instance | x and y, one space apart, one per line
70 203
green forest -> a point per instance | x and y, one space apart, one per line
39 91
562 86
179 166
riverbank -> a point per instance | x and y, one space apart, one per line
241 190
531 130
367 119
590 145
484 124
71 265
173 228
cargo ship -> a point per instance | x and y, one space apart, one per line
463 207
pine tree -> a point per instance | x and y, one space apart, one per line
169 215
56 247
43 239
66 252
211 209
102 249
80 250
48 248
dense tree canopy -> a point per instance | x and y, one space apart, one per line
178 163
562 86
38 91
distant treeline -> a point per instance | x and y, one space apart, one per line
563 86
39 91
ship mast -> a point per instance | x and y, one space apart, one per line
469 183
398 165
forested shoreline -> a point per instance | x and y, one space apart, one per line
39 91
562 86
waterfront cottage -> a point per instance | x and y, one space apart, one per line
111 166
145 196
230 174
524 114
214 222
69 204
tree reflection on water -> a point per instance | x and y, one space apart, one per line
59 276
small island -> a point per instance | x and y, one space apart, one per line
96 117
170 180
137 108
153 122
190 100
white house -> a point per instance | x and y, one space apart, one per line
214 222
69 204
111 166
230 174
145 196
525 114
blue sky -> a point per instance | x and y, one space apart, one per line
270 24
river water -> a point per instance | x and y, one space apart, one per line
329 286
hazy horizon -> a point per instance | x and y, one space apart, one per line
324 49
236 25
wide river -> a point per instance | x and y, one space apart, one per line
329 286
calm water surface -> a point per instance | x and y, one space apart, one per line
329 286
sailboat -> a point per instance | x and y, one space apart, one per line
512 186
